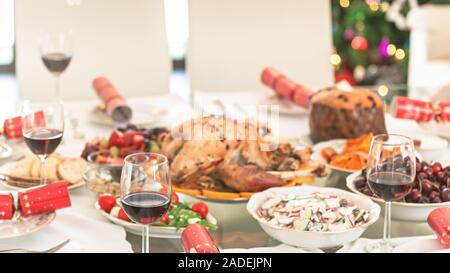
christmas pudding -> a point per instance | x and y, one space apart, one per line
337 113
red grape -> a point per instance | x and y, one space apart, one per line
415 195
360 182
440 177
433 194
429 172
445 194
421 176
418 167
427 187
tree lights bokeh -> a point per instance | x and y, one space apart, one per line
363 37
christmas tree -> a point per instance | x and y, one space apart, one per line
369 49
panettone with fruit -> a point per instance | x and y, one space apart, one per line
337 113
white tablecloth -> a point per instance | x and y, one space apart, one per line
87 229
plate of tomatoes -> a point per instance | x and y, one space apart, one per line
184 210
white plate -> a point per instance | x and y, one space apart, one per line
311 239
139 118
439 129
431 147
25 225
5 168
336 144
154 231
285 106
401 211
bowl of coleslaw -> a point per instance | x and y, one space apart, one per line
313 217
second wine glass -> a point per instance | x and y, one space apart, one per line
391 169
56 52
145 190
42 129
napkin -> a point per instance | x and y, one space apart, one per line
419 244
82 232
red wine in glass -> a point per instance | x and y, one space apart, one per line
56 62
43 141
145 207
390 185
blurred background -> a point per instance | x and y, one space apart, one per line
394 46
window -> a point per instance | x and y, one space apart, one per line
6 35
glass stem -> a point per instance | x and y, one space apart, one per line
387 223
57 87
145 239
42 172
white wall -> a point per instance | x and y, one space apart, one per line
122 39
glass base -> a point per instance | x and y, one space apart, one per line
380 247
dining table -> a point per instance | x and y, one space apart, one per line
89 231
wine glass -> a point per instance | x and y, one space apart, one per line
56 52
42 129
145 190
391 169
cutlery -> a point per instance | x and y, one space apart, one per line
50 250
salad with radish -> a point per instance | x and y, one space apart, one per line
180 214
320 212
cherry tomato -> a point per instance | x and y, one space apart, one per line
122 215
107 202
200 208
165 219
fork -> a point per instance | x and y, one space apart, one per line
50 250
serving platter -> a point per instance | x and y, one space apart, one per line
154 231
5 168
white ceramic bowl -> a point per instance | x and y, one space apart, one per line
312 239
401 211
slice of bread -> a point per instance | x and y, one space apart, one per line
51 169
72 169
35 170
23 167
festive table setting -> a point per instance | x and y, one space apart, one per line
317 172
